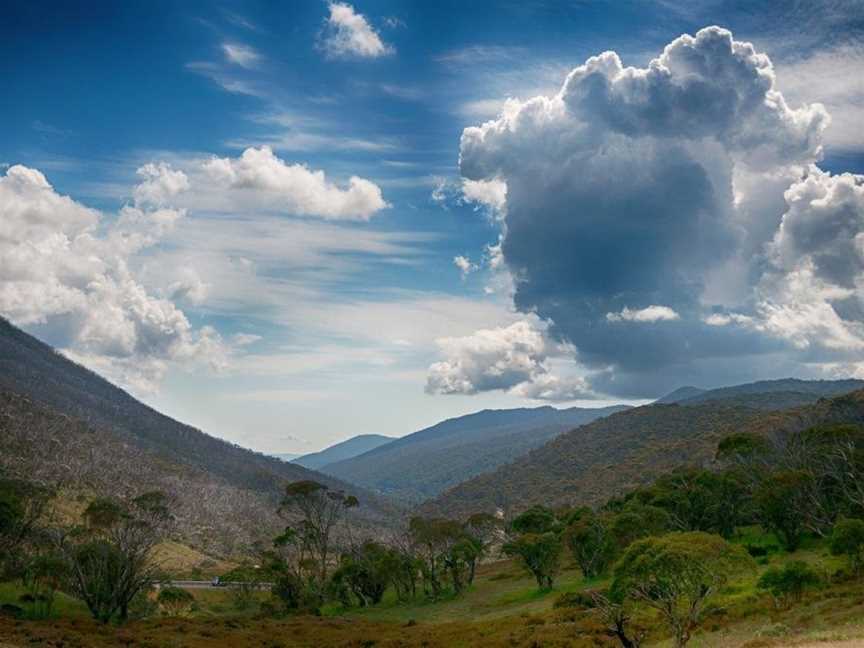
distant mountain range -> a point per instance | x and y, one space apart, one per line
772 394
423 464
62 424
213 480
344 450
287 456
612 455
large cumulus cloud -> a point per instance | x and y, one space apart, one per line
259 179
513 358
66 270
690 184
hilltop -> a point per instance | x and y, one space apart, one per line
340 451
423 464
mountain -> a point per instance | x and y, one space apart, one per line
765 394
287 456
211 478
782 392
682 393
345 450
617 453
423 464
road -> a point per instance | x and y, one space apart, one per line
193 584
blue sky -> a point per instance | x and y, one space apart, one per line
181 214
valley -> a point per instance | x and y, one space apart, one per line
80 440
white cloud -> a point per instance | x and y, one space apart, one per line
188 287
68 271
832 76
226 80
348 34
241 55
648 314
492 193
800 308
512 358
664 185
489 195
245 339
260 179
727 319
160 184
464 264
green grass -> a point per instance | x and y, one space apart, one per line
64 606
500 589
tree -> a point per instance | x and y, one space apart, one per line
616 619
699 500
848 539
445 550
22 505
319 510
365 573
676 574
781 505
482 528
110 560
536 542
787 585
636 520
591 542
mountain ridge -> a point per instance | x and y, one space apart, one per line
346 449
612 455
422 464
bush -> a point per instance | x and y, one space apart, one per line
243 584
574 600
787 585
175 601
848 539
759 551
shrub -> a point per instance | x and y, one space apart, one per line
175 601
848 539
787 584
759 551
574 600
243 583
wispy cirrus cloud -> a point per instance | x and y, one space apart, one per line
240 54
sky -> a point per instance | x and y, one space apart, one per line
291 223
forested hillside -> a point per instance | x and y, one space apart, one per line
629 449
423 464
767 394
53 385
